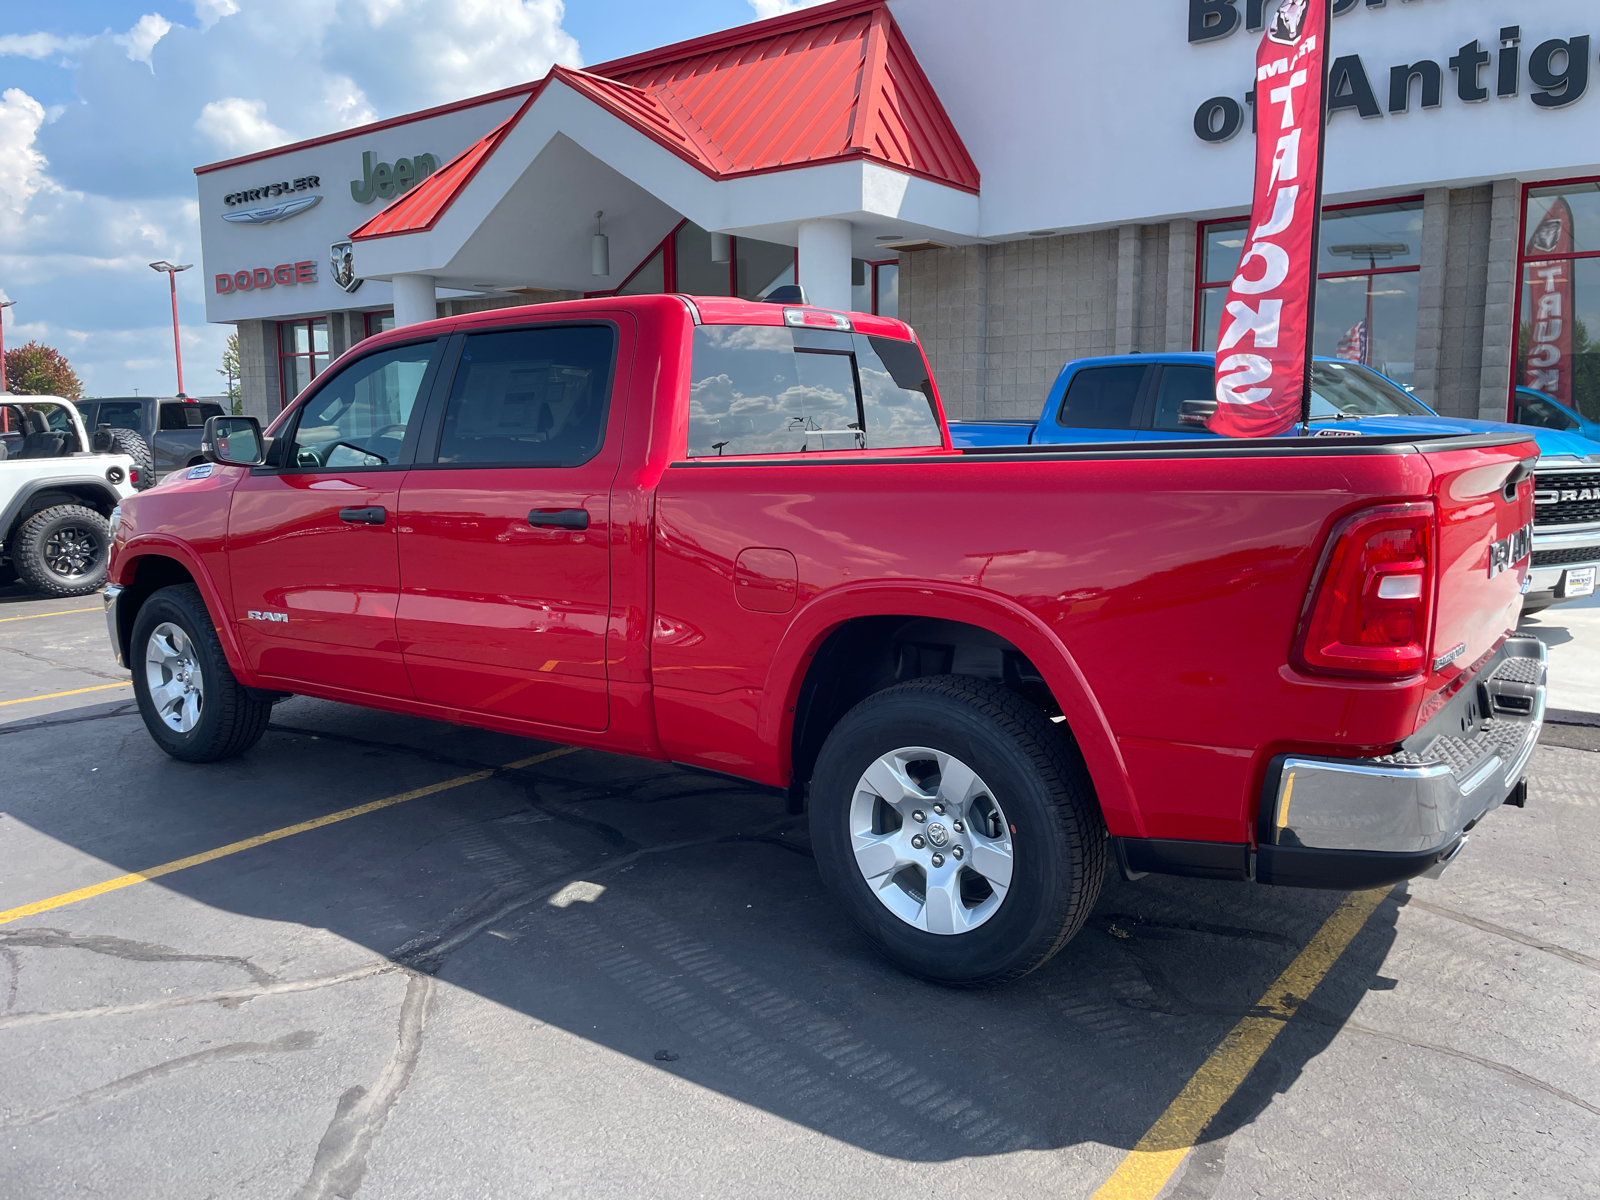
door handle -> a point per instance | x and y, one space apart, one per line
560 518
374 515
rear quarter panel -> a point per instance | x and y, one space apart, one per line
1173 588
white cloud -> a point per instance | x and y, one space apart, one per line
142 38
776 8
238 126
89 196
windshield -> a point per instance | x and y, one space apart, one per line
1534 409
1341 389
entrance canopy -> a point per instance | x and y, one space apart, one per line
816 130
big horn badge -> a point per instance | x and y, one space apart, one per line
342 256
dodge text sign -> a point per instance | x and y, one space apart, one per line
1263 345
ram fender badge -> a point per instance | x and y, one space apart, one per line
266 615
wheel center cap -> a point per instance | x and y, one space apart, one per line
938 835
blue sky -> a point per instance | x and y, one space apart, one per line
107 105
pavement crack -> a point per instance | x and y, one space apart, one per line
63 666
13 976
1126 922
1438 910
115 947
359 1117
302 1039
227 999
1518 1077
122 710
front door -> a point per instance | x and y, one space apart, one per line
312 543
506 526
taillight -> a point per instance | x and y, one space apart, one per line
1371 603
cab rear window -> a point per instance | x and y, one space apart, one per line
758 389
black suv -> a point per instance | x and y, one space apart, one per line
171 426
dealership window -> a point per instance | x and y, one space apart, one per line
1368 262
683 262
379 322
302 354
1558 308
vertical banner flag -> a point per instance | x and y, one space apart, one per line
1264 343
1547 306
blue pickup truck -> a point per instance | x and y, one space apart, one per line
1167 397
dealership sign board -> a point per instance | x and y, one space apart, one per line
1264 351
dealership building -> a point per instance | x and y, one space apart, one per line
1025 182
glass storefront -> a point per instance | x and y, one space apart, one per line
1368 261
1558 311
302 354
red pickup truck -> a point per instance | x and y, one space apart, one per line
735 536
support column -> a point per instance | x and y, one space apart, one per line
825 263
1128 271
1180 285
414 300
1494 387
1430 296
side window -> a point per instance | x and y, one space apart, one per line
118 416
530 397
358 418
772 390
1102 398
1177 385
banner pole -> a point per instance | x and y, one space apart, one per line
1316 224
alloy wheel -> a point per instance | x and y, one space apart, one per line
172 672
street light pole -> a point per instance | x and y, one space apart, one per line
4 304
172 270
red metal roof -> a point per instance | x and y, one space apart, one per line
821 85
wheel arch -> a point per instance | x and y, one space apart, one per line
145 566
40 494
837 652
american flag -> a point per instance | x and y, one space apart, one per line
1353 345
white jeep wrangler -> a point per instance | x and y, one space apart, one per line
58 488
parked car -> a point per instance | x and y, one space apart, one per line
1530 407
171 426
1156 397
58 488
735 536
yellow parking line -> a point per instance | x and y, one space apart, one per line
1149 1165
194 860
99 687
65 612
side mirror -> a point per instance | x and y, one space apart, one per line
1196 412
233 442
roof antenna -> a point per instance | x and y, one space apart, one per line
599 249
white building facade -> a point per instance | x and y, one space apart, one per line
1037 183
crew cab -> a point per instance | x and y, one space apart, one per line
170 425
736 536
1162 396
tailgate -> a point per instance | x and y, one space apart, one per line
1485 544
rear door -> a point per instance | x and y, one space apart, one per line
1172 386
312 543
505 534
1100 404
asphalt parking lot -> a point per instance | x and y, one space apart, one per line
536 973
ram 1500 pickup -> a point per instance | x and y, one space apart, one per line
736 536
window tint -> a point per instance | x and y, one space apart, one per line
1101 398
170 416
179 415
1177 385
207 411
773 390
358 419
125 415
530 397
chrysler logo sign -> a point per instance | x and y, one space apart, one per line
277 212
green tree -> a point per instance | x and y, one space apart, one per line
230 371
33 369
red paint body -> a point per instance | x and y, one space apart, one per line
1158 592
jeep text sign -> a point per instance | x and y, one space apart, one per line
1263 347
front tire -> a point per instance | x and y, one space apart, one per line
63 551
191 703
959 828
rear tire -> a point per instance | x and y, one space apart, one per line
1017 800
191 703
63 551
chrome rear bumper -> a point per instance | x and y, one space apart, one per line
1356 822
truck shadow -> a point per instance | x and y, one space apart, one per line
701 941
